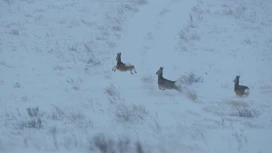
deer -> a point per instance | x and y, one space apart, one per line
240 90
122 66
165 83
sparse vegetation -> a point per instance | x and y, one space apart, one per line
103 144
244 112
141 2
14 32
190 79
112 94
148 79
57 114
148 82
34 119
187 37
58 56
32 123
130 114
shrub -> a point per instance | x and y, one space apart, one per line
35 119
148 81
190 79
33 123
33 112
245 112
112 93
141 2
135 113
102 144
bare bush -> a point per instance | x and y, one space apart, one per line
139 147
102 144
33 112
116 28
190 79
57 114
92 60
14 32
17 85
183 36
247 41
236 103
77 118
141 2
194 36
132 114
148 81
189 93
187 36
33 123
112 93
129 8
245 112
35 119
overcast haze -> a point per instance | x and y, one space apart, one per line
58 92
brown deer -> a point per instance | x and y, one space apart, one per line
122 66
240 90
166 84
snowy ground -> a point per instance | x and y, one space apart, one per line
59 94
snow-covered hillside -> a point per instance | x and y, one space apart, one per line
58 92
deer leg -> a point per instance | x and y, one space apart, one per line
161 88
178 88
134 69
114 68
131 72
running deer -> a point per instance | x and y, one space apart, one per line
122 66
166 84
240 90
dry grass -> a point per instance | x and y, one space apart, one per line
112 94
234 108
237 103
103 144
130 114
244 112
148 82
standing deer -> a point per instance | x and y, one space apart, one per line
122 66
240 90
166 84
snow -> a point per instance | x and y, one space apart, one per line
59 93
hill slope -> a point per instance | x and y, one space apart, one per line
59 94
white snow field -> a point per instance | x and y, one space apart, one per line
58 92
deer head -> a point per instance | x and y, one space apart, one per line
159 72
236 80
118 57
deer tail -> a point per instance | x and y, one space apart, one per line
247 91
